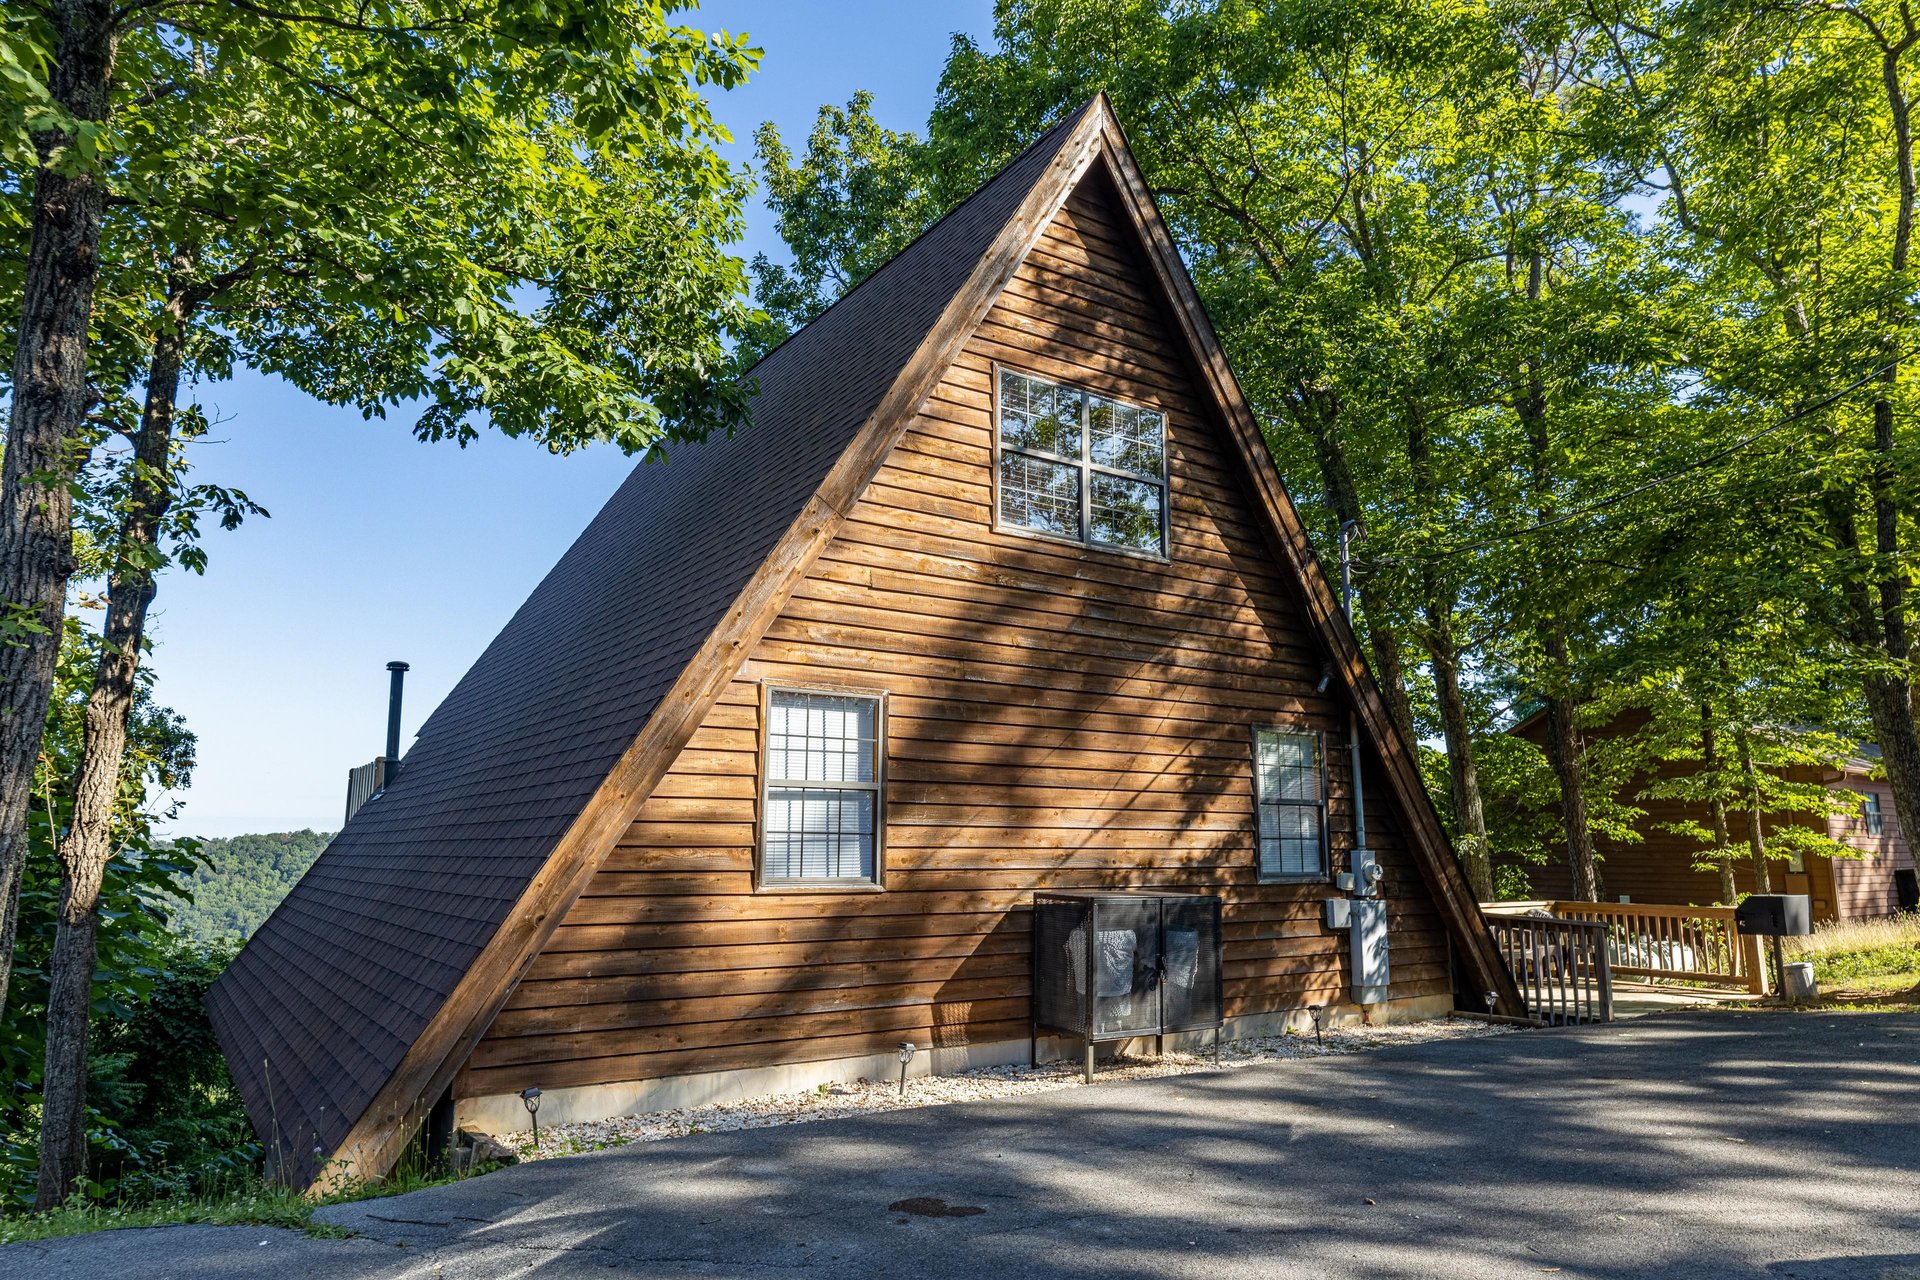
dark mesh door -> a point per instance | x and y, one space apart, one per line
1126 938
1191 996
1060 1001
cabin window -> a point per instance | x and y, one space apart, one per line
1290 796
1870 813
822 767
1081 467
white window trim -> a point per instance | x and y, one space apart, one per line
1325 873
1873 814
767 783
1088 468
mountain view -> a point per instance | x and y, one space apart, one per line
249 876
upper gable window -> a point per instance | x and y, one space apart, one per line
1079 466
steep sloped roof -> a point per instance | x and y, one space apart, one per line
330 994
352 1007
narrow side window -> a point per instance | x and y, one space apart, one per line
1290 797
821 811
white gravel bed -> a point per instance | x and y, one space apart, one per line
865 1097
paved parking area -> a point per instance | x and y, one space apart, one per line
1699 1145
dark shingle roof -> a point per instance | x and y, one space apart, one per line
328 996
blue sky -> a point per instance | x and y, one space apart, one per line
381 547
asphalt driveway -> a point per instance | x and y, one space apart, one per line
1702 1145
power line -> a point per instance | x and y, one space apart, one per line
1614 500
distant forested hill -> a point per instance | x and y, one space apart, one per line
249 876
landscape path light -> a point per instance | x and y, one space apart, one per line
906 1056
1319 1012
531 1097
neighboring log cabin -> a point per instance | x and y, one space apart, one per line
1663 866
999 591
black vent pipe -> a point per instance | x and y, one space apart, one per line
391 769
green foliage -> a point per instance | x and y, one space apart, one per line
515 218
858 196
241 881
163 1114
252 1203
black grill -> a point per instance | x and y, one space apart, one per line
1114 965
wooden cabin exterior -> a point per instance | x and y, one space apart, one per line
763 778
1660 866
1056 716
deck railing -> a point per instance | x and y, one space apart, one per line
1560 965
1690 944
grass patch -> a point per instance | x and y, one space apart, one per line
259 1206
256 1204
1831 941
1865 964
1860 966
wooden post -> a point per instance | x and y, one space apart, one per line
1756 974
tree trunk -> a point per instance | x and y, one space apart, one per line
1717 806
1756 832
46 430
1440 598
1563 752
1889 697
63 1115
1318 412
1463 771
1563 735
1890 706
89 843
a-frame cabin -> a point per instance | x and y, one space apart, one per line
999 592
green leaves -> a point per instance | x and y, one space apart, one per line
858 195
515 218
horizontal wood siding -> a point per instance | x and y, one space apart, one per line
1057 717
1864 887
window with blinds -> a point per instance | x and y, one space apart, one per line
1075 465
821 811
1289 791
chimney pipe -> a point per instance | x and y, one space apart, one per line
392 768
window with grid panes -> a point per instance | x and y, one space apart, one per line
1079 466
1289 794
822 800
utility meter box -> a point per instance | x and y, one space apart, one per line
1366 873
1368 931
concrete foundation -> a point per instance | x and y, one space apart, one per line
504 1113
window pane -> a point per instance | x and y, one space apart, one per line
820 737
1126 513
819 834
1290 840
1039 415
1040 495
1122 436
1288 768
1287 791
